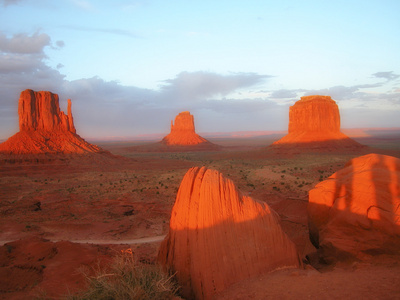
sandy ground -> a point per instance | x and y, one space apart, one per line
103 207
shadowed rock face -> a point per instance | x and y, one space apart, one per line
357 209
44 128
183 132
218 237
314 121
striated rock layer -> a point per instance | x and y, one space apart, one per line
44 128
357 209
183 131
314 122
218 237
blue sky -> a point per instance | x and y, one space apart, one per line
131 66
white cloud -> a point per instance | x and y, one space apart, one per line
386 75
23 43
196 85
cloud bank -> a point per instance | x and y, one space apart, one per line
219 102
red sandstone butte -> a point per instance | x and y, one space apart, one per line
43 128
218 237
183 132
357 209
314 121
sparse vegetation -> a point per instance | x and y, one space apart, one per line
127 279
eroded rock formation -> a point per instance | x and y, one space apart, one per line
183 131
314 122
44 128
218 237
357 209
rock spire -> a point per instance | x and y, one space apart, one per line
44 128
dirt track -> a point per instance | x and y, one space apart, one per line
152 239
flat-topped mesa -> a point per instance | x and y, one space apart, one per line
318 114
41 111
314 121
218 237
44 128
183 131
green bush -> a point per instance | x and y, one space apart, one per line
127 279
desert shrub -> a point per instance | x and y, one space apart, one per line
127 279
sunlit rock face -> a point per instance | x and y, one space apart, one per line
357 210
314 121
44 128
183 131
218 237
319 114
41 111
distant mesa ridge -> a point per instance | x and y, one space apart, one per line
44 128
314 121
183 131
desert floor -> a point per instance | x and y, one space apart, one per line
58 215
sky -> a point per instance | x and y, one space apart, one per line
130 67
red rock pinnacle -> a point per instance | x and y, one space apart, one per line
44 128
218 237
41 111
314 121
183 132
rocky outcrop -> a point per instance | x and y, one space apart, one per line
44 128
314 122
40 111
357 209
183 131
218 237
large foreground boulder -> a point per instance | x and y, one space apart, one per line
218 237
44 128
314 123
357 209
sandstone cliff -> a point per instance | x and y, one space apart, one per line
44 128
218 237
357 209
183 131
314 122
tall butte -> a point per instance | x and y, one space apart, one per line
314 122
43 128
183 132
218 237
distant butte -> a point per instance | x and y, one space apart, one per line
43 128
314 122
183 132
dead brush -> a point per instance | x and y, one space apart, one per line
127 279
